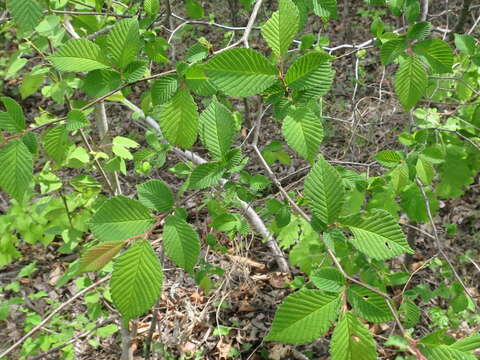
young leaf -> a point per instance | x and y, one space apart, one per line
352 340
328 279
303 132
388 158
26 13
206 175
151 6
217 128
438 54
304 316
163 89
326 9
57 142
324 191
99 82
312 70
155 194
377 235
425 170
78 55
410 82
459 350
391 50
419 30
120 218
100 255
241 72
76 119
179 119
369 305
13 119
137 280
17 168
123 42
181 243
280 30
465 43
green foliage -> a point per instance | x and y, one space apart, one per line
181 242
410 81
241 72
303 131
120 218
343 281
377 235
280 30
304 316
351 340
324 191
123 42
155 194
17 169
179 119
26 13
79 55
137 280
217 129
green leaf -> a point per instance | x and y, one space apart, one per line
120 218
324 191
369 305
155 194
26 13
241 72
123 42
304 316
409 313
326 9
425 170
311 71
206 175
137 280
217 128
17 168
163 89
13 119
179 119
100 82
352 340
181 243
438 54
76 119
100 255
410 82
391 50
419 30
303 132
198 82
57 142
151 7
459 350
328 279
78 55
194 9
465 43
377 235
388 158
30 84
280 30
